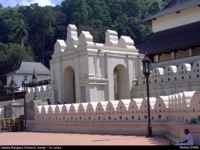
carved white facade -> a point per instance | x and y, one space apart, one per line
85 71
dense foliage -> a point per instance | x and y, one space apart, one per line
37 28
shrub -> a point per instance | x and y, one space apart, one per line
194 121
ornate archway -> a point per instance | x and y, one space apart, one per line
69 85
121 82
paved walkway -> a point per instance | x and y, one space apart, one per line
26 138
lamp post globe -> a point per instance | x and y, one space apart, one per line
146 71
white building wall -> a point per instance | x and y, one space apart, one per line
172 20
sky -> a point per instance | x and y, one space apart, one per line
41 3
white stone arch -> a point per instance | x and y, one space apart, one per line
69 85
121 82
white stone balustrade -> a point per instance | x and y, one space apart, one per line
170 78
42 93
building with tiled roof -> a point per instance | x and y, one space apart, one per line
175 32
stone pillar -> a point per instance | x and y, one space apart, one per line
190 52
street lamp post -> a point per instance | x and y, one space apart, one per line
25 112
146 71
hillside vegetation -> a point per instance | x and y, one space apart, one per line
34 29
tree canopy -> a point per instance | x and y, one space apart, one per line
32 30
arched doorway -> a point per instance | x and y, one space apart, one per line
69 85
121 83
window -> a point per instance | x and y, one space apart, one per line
120 117
145 117
159 116
132 117
109 118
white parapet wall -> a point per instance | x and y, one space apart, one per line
169 114
170 77
40 93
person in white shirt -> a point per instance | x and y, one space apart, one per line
187 140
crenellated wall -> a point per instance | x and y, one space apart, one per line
170 77
122 117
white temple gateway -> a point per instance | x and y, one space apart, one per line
85 71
